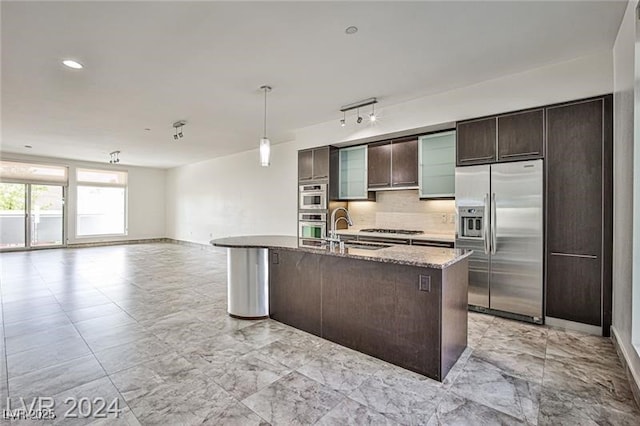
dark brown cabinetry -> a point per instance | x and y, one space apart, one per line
292 300
476 141
379 164
404 162
411 316
507 137
579 211
313 164
521 135
393 164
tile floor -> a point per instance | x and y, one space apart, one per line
147 324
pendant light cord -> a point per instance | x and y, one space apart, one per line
265 111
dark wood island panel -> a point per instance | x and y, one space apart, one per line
414 317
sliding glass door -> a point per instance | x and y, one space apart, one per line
46 213
13 215
31 215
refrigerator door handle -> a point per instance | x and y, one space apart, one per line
494 242
485 225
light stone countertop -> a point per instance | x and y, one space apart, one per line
426 257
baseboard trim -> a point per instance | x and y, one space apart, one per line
117 242
572 325
632 375
192 244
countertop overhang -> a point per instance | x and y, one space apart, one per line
426 257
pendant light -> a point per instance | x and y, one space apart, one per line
265 143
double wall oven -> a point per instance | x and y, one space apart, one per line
312 214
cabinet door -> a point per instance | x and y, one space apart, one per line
521 135
353 173
476 141
404 163
574 178
321 163
437 169
573 288
292 300
305 165
379 165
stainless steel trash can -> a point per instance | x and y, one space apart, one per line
248 283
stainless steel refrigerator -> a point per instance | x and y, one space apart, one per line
500 217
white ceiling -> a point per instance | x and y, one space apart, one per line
148 64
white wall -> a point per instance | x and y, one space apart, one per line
234 196
623 200
146 198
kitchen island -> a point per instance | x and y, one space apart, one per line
403 304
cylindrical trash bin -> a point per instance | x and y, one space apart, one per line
248 282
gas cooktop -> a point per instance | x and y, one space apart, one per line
392 231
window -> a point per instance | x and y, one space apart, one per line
102 202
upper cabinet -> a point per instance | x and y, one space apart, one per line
521 135
352 176
476 141
379 165
437 154
313 164
393 164
507 137
404 162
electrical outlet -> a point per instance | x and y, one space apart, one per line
425 283
452 218
444 217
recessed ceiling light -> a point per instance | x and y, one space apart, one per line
351 30
72 64
28 146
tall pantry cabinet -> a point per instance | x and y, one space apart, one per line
579 209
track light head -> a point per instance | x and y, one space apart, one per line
342 122
178 126
359 120
372 117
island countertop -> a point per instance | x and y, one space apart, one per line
427 257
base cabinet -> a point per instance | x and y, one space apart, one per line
573 288
410 316
294 301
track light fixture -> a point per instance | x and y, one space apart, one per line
178 129
357 106
115 157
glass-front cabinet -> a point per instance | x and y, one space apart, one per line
353 173
437 167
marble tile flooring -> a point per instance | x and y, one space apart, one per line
147 325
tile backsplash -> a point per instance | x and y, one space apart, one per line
404 210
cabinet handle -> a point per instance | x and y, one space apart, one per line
585 256
404 183
521 154
488 157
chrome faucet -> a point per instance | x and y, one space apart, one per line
334 222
